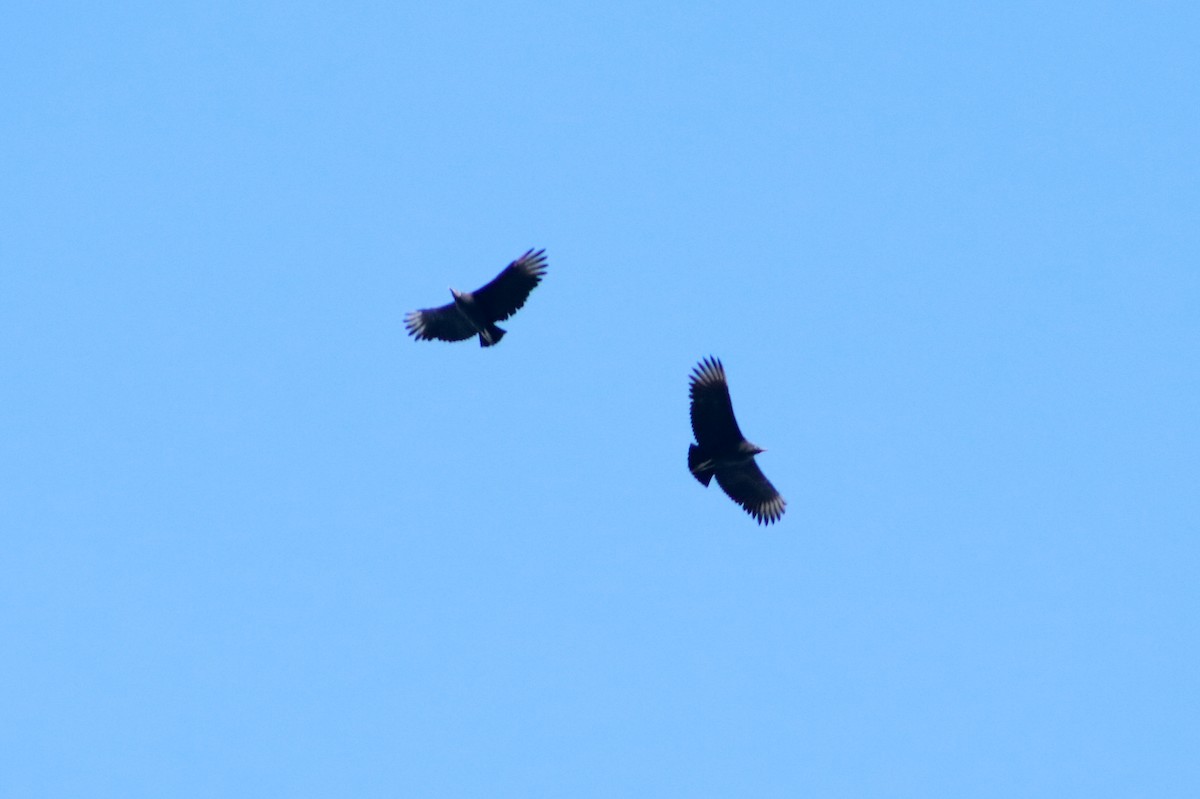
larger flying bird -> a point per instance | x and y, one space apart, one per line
722 451
477 312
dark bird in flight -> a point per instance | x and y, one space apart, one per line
722 451
477 312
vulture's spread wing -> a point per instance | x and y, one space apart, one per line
506 293
444 323
748 486
713 422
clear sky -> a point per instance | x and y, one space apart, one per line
258 542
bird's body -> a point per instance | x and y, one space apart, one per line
477 312
477 317
722 451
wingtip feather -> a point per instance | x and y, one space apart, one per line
710 371
533 263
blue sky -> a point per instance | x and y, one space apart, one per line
259 542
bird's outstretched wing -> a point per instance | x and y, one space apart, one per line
508 291
444 323
748 486
713 422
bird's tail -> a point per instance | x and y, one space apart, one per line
491 336
700 466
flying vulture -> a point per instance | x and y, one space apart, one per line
477 312
723 451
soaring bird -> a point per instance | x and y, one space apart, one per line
477 312
722 451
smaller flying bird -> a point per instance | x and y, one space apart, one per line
477 312
722 451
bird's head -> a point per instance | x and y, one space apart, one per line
455 293
752 449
